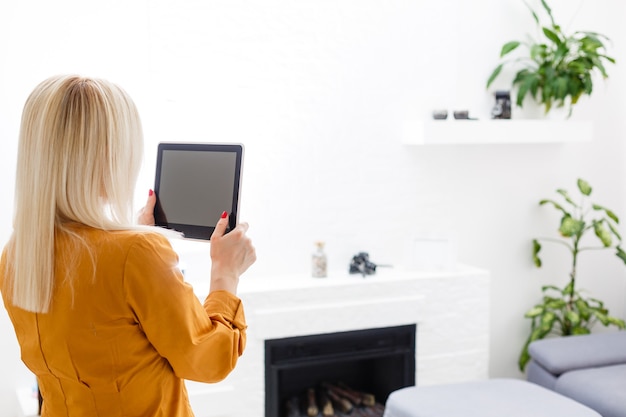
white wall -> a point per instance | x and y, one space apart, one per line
319 92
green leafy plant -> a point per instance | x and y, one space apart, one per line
566 311
559 67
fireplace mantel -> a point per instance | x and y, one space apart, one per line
449 346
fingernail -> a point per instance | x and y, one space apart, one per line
150 193
224 215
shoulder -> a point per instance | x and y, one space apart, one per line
121 243
139 241
146 247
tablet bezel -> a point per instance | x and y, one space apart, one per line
194 231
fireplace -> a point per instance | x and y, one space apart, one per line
371 361
293 306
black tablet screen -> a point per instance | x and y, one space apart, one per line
195 184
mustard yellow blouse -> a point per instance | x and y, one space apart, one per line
120 340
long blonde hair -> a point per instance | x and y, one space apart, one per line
79 153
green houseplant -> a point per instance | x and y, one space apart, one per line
567 311
559 66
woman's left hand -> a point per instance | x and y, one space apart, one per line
146 214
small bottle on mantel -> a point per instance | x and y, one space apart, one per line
319 263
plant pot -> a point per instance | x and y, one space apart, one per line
532 109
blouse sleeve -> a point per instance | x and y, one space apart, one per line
201 342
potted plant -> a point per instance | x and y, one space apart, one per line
558 68
567 311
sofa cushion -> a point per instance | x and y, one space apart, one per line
562 354
490 398
536 374
603 389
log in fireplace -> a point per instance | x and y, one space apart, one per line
323 369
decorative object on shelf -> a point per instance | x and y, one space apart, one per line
559 67
462 115
319 262
502 108
440 114
566 311
361 264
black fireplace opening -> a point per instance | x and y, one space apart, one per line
343 369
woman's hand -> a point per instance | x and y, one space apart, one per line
146 214
231 255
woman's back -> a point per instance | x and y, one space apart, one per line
123 329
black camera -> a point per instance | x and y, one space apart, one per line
361 264
502 108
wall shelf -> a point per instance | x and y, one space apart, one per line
447 132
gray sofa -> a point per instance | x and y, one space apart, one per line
590 369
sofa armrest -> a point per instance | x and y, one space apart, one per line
559 355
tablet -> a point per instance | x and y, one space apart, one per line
194 184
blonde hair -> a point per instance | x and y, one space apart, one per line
79 153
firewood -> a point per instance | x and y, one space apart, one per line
312 409
326 405
366 398
354 398
342 404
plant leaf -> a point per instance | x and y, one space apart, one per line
573 317
508 47
568 289
566 196
603 234
556 304
550 287
604 319
598 63
561 88
552 36
583 309
590 43
596 34
534 312
555 204
533 12
607 211
617 322
621 254
608 58
494 74
536 249
547 8
525 85
584 187
570 226
524 357
615 232
548 319
580 330
599 304
587 84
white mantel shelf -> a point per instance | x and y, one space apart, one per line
536 131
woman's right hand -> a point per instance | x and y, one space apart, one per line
231 255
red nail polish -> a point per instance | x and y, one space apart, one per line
224 215
150 193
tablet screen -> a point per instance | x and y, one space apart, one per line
195 183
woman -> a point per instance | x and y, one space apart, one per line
99 306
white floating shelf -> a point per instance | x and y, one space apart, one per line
446 132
